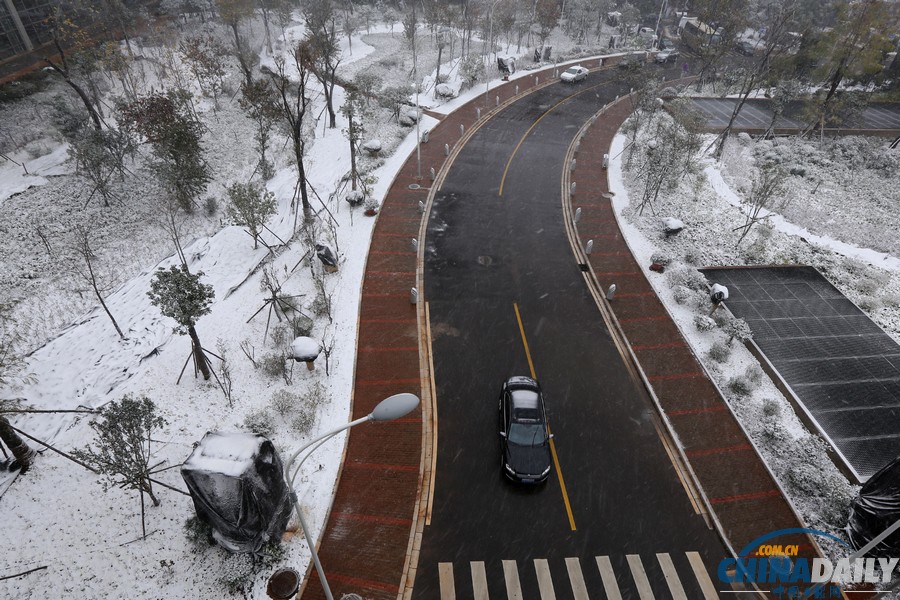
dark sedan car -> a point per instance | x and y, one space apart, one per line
524 435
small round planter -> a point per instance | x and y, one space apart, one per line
283 584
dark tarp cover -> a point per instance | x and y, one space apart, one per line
238 487
876 508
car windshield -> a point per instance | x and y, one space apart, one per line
526 433
572 71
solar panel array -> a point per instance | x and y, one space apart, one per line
842 368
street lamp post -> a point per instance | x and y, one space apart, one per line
487 83
390 408
662 7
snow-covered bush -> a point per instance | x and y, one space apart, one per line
738 329
259 421
471 70
682 294
688 277
284 401
704 323
306 410
869 303
273 364
740 385
661 258
719 352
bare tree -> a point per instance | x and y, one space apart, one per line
854 45
70 37
233 13
781 21
322 44
90 271
294 105
767 188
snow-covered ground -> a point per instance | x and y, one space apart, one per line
58 517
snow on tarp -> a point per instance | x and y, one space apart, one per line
875 509
236 482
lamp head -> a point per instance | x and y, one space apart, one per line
394 407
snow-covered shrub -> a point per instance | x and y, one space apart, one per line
771 408
471 69
797 170
259 421
284 401
661 258
307 410
869 303
273 364
704 323
737 329
744 138
682 294
301 325
210 206
754 374
739 385
872 281
719 352
689 277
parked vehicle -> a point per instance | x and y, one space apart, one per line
667 56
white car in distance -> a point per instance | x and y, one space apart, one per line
574 74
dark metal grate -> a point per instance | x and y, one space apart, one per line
839 364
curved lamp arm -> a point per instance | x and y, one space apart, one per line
390 408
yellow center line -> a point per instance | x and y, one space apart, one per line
533 125
559 475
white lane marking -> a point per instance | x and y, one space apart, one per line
545 582
576 578
445 576
511 575
479 580
706 584
668 569
609 578
640 577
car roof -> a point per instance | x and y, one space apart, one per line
524 399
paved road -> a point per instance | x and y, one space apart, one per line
757 114
505 296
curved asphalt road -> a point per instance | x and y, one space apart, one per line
491 260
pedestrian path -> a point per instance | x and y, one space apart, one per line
565 578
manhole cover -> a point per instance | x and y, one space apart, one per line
414 186
485 261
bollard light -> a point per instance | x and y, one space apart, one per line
589 247
611 292
577 216
413 296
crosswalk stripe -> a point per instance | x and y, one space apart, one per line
609 578
445 576
668 569
706 584
545 583
640 576
511 575
576 578
479 580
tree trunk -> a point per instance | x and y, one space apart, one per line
95 117
199 357
22 452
